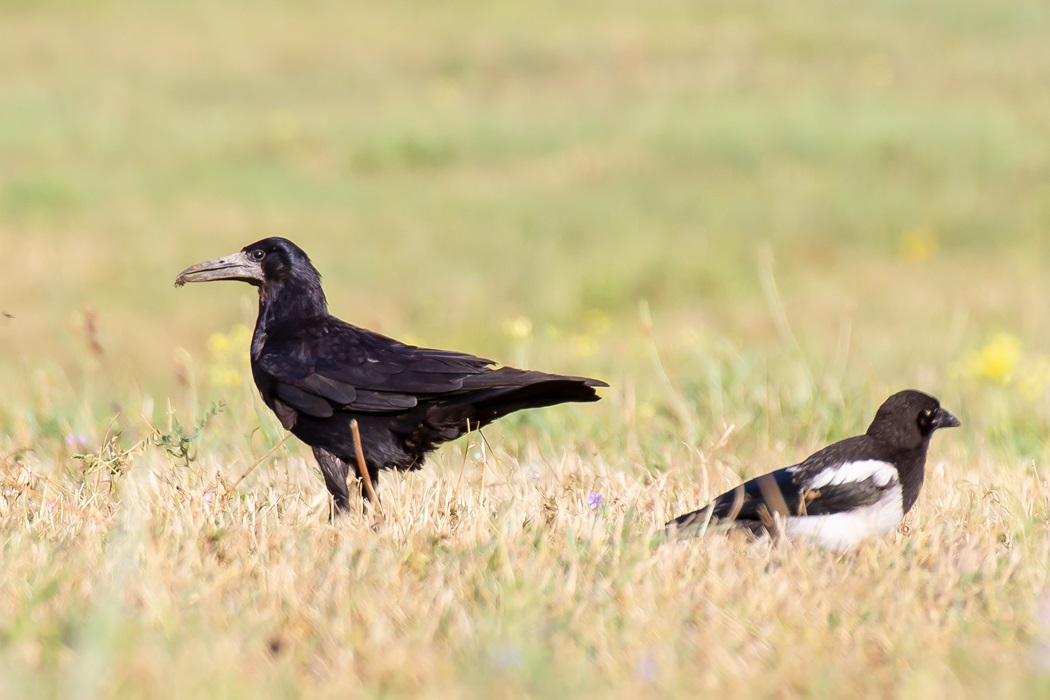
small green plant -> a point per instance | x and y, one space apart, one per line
179 443
111 457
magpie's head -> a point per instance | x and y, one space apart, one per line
907 419
267 263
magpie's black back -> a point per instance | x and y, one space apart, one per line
318 373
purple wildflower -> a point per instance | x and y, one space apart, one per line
507 658
647 669
595 500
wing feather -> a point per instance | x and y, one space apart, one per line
327 365
827 482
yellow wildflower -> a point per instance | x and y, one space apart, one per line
519 328
218 344
919 244
996 361
229 356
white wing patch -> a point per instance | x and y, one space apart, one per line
844 531
882 473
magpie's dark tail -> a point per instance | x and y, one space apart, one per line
695 524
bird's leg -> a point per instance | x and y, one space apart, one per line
334 471
363 471
362 486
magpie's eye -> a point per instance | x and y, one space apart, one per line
926 418
258 255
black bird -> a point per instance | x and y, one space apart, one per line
857 488
318 373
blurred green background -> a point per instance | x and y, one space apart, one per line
855 195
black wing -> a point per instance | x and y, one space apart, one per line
775 492
326 365
851 473
815 486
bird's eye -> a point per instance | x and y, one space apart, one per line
258 255
926 418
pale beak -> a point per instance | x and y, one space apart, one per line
229 267
943 419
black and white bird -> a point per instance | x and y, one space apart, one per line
319 374
850 491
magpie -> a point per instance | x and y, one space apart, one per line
857 488
319 374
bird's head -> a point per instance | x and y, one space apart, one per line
289 285
270 261
908 419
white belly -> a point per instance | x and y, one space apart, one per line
844 531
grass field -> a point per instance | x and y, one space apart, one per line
755 222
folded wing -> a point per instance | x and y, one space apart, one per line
330 365
828 482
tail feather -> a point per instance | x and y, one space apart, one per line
511 378
495 394
497 403
507 390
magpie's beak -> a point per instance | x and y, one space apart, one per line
943 419
230 267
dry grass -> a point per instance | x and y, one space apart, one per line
492 575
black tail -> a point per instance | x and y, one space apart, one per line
689 525
492 395
507 390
